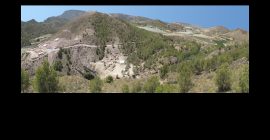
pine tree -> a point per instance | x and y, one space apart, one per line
46 79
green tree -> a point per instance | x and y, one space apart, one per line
125 88
223 78
184 78
109 79
46 79
151 84
95 85
25 82
244 80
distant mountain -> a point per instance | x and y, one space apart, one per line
32 21
238 35
70 14
32 29
130 18
216 30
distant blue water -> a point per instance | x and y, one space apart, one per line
231 17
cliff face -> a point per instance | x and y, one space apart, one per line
73 58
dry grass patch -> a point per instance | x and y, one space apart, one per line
74 84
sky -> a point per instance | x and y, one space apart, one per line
229 16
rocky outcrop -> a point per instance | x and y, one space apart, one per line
80 56
173 60
32 64
237 63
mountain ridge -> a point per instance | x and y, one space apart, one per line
69 14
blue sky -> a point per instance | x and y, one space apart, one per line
231 17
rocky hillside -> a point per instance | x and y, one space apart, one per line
90 44
33 29
95 42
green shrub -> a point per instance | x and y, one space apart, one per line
148 63
166 88
224 58
163 71
136 88
46 79
58 65
159 89
220 43
125 88
151 84
244 80
88 75
184 79
223 78
194 49
198 65
25 82
60 53
109 79
211 64
95 85
134 59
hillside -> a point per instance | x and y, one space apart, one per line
111 40
82 45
